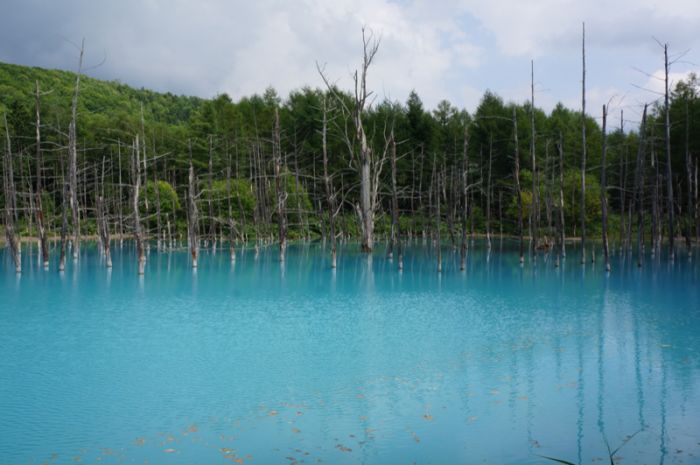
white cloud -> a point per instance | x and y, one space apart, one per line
536 28
453 49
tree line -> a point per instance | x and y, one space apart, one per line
83 157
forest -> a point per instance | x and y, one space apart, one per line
85 158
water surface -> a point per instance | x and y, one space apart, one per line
259 362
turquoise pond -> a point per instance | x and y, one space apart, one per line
263 363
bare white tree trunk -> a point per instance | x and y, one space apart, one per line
192 216
535 207
465 200
102 222
638 195
10 202
518 191
366 162
279 187
604 191
73 161
669 170
136 177
330 195
583 149
39 211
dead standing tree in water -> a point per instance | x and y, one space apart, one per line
638 194
367 164
136 188
73 161
560 215
669 171
64 217
279 186
465 200
330 194
438 246
231 221
518 190
39 211
10 202
603 191
192 216
535 210
689 191
395 242
583 148
102 222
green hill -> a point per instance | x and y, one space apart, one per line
97 97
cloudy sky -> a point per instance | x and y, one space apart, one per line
450 49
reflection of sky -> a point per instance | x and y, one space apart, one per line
360 365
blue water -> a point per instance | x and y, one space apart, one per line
267 364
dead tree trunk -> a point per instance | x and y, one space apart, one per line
655 213
73 161
488 195
330 196
638 195
438 248
366 162
604 191
102 222
210 189
40 223
535 207
395 223
160 235
465 200
192 216
280 187
231 220
562 226
136 189
64 216
623 188
583 149
120 194
689 170
10 202
669 170
518 191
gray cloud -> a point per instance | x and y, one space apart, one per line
453 49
